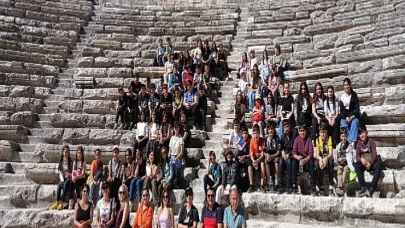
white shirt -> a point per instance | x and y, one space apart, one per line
154 131
242 85
105 210
234 137
329 111
345 98
175 144
141 129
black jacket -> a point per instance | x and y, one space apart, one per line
230 173
354 107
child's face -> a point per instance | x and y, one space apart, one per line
245 136
236 127
257 102
121 93
256 135
363 135
286 129
116 154
160 42
271 131
207 69
323 134
66 152
197 70
252 54
201 92
343 137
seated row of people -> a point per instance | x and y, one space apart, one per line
272 155
139 105
334 112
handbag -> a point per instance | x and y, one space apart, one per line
257 117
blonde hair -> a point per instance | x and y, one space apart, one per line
125 196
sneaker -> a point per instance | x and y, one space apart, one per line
362 192
60 207
55 206
294 189
339 191
280 190
250 189
331 191
370 193
313 191
321 192
115 126
263 188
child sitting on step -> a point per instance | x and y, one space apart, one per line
344 160
65 184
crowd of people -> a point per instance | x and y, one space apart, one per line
159 116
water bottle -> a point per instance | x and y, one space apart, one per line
301 168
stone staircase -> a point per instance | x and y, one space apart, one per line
47 47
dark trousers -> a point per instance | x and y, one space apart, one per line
192 113
141 147
334 131
153 145
64 187
78 186
283 163
114 186
133 117
200 121
376 168
308 167
120 114
208 182
320 172
315 126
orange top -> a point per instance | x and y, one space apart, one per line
94 167
143 217
257 147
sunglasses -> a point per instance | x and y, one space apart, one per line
84 191
121 192
105 187
187 195
165 196
145 195
210 196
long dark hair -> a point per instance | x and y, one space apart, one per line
333 98
316 97
69 159
347 80
165 190
301 96
82 150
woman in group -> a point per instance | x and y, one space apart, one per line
105 211
144 214
318 112
240 109
244 65
287 108
278 61
181 62
129 169
304 107
79 171
349 111
152 172
265 66
270 109
165 212
65 174
177 104
166 172
332 110
138 180
165 130
83 213
274 85
141 138
257 114
122 220
154 128
176 154
256 87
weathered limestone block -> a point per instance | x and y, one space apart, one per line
5 117
41 92
23 118
90 72
109 82
68 120
321 61
6 149
105 94
107 44
190 174
42 173
119 72
383 114
21 196
92 52
41 69
363 67
52 135
322 28
46 193
99 107
192 157
104 136
85 62
94 121
394 62
122 54
15 133
33 217
72 106
395 95
76 135
127 138
376 53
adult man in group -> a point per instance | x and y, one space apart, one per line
234 215
211 214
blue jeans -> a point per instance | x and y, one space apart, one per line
252 97
352 129
208 182
292 126
136 185
63 189
176 165
91 193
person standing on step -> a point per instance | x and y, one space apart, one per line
349 111
96 172
65 179
258 114
83 212
105 209
324 158
141 136
165 131
114 172
136 85
240 109
270 110
345 161
160 52
128 169
176 152
202 109
286 160
154 101
234 138
153 129
215 170
253 59
133 110
272 156
143 101
245 66
256 161
122 218
197 55
188 216
243 155
166 100
274 85
79 171
169 48
287 108
332 111
229 177
169 64
256 83
198 78
222 60
367 160
211 214
152 173
318 110
264 67
165 213
165 179
234 214
121 109
137 183
303 152
304 107
185 130
206 53
144 214
177 104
